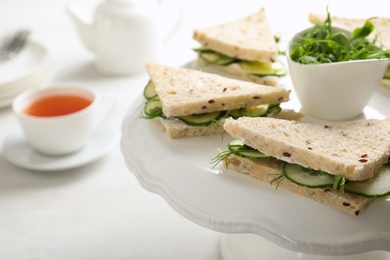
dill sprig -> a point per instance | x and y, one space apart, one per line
277 180
222 156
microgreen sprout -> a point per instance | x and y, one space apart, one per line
322 44
339 183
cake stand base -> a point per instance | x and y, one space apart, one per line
251 246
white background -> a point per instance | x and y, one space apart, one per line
100 211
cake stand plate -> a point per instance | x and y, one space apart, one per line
229 202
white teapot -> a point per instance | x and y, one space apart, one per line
125 34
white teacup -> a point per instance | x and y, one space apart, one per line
80 112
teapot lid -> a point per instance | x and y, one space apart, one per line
130 1
145 3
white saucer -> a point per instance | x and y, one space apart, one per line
26 63
17 151
32 68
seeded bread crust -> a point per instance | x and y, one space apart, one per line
356 150
184 91
234 71
177 129
268 170
248 38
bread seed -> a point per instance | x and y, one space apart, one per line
286 154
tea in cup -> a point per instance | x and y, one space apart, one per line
59 120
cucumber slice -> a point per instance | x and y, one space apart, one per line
255 111
202 119
153 107
307 177
149 90
377 186
255 155
237 147
209 56
273 110
213 57
235 113
235 142
263 69
216 58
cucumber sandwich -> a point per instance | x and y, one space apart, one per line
344 165
195 103
381 32
245 48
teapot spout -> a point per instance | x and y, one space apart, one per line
84 27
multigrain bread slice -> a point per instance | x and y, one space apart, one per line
178 129
248 38
184 91
355 150
381 31
268 170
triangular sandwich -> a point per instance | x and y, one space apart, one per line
342 165
245 48
194 103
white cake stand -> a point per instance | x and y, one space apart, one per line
256 218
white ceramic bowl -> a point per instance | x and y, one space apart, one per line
335 91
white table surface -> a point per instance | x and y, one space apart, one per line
99 211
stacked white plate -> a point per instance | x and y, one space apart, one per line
31 68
